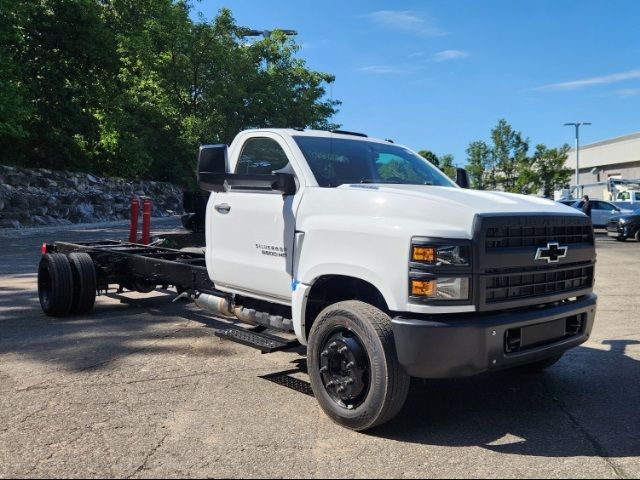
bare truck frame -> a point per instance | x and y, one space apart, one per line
71 275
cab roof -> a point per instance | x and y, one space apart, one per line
342 134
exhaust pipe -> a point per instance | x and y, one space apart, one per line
224 307
216 305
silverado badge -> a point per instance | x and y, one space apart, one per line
552 253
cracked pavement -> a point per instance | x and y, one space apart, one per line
145 389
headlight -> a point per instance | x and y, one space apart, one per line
440 271
454 255
442 288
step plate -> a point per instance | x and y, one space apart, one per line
261 341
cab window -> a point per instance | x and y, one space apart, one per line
261 156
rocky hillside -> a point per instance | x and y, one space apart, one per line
41 198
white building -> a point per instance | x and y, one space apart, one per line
616 158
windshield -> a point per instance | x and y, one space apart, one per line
335 162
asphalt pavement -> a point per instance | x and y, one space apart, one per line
142 388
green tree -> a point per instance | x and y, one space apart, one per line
447 166
68 54
429 155
509 155
132 87
14 110
548 171
202 83
479 166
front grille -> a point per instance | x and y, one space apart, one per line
537 236
511 284
612 225
512 270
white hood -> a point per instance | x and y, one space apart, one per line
479 201
418 209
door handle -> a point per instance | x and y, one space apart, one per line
223 208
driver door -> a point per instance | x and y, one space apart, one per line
252 232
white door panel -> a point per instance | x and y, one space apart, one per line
253 242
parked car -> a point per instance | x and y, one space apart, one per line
625 226
602 211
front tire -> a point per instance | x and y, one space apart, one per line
353 366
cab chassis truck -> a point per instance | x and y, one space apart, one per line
381 266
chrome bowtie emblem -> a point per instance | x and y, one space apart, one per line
552 253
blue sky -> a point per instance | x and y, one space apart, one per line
439 74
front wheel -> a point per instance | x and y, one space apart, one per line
353 366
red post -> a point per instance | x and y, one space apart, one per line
135 211
146 222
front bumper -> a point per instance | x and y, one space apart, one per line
617 230
470 344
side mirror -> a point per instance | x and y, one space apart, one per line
213 176
285 183
462 178
213 159
213 165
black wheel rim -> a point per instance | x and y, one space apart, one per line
344 368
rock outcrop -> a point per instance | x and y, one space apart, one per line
40 197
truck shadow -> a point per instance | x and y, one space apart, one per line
584 406
113 330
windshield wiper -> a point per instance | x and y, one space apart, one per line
370 180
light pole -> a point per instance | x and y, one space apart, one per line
248 32
577 125
266 33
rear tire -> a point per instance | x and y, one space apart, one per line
353 366
540 365
55 285
84 283
638 235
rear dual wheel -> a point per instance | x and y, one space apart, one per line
55 285
66 285
353 366
84 283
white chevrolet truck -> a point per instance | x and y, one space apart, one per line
381 266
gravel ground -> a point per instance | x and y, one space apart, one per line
143 388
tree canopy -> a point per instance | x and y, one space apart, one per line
132 87
444 163
506 164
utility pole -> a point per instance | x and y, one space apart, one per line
247 32
577 126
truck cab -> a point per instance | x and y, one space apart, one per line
386 269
